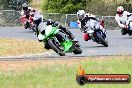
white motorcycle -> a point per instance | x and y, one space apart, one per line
129 23
97 34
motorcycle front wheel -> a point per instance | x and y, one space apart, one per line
53 45
102 40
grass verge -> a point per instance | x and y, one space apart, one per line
13 47
61 73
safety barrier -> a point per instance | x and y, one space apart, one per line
12 18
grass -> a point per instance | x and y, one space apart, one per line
62 73
13 47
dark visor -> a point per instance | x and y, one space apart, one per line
25 8
119 12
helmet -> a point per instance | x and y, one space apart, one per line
81 14
49 22
25 6
120 10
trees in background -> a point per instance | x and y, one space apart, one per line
63 6
107 7
98 7
12 4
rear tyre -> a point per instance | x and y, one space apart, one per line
76 50
56 48
102 40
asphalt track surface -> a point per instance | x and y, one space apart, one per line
118 44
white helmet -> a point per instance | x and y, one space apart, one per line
25 6
120 10
81 14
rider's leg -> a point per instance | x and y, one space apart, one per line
60 36
67 32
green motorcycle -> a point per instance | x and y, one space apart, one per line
59 41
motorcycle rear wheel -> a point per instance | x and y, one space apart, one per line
76 50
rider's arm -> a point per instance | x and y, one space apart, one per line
119 23
90 15
92 18
32 11
22 14
22 17
128 14
79 24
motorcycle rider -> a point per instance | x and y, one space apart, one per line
34 15
64 29
37 19
122 18
61 33
86 21
27 12
83 19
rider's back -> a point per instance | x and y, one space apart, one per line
122 18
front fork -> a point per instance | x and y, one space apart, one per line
92 36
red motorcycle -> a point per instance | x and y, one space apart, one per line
28 22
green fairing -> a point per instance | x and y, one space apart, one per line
51 34
66 44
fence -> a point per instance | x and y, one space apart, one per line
12 18
9 18
110 22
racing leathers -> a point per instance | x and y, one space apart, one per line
122 20
92 23
26 17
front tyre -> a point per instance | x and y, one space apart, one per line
57 49
102 40
26 25
33 29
